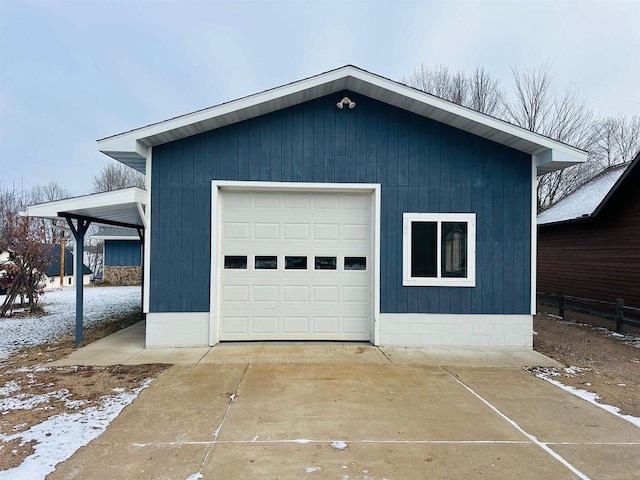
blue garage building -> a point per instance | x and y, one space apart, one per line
344 206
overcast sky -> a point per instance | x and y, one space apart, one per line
75 71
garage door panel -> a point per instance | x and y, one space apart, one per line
235 293
332 302
265 200
265 293
296 231
295 293
326 293
265 325
235 325
296 200
326 201
295 325
357 202
354 325
266 231
235 230
355 294
325 325
326 231
351 231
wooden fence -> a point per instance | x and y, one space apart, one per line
617 311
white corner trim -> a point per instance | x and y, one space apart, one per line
214 297
534 237
217 186
376 263
408 280
147 232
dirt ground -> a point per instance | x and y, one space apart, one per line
608 364
66 388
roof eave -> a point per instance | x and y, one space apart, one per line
120 206
132 147
569 221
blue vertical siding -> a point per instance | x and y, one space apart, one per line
422 165
122 253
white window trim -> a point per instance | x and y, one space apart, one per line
408 280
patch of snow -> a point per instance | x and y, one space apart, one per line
9 388
301 440
313 469
583 201
58 437
590 397
339 445
100 304
195 476
25 401
572 370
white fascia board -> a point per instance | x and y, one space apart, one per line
556 159
123 145
96 200
116 145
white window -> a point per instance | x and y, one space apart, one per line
439 249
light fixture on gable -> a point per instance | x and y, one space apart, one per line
345 101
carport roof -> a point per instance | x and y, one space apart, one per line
119 207
132 147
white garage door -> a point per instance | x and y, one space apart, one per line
296 266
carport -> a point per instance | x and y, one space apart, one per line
120 208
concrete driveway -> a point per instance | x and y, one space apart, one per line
381 416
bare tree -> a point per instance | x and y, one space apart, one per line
533 97
114 176
536 105
477 91
49 192
485 94
11 201
615 140
565 117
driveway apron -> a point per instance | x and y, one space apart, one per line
357 421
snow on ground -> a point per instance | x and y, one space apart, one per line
61 435
58 437
100 303
550 374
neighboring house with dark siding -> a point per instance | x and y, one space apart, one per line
344 206
589 242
